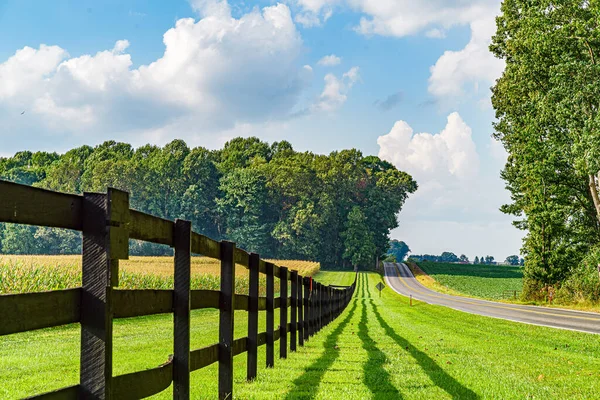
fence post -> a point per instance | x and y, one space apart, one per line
226 307
319 306
105 240
306 306
300 281
252 360
182 237
270 315
283 293
294 311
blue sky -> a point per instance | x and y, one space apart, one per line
403 80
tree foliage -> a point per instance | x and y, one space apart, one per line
547 103
337 209
399 250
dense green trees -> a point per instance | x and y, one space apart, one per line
547 103
337 208
399 250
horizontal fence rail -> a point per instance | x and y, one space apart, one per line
107 224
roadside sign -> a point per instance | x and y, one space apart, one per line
380 287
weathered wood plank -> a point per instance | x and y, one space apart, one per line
240 345
23 204
226 315
28 311
138 385
96 319
182 238
306 306
241 257
262 303
67 393
205 246
283 290
262 267
270 355
242 302
204 357
294 311
205 299
252 360
136 303
301 310
149 228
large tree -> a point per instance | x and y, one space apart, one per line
547 104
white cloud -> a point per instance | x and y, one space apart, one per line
315 12
216 73
436 33
473 64
26 70
456 206
330 60
451 153
335 92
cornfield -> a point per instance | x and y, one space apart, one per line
22 274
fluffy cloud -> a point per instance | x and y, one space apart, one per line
456 206
473 65
335 92
451 153
330 61
315 12
215 73
27 69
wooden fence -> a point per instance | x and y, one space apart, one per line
107 224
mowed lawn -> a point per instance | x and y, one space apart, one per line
379 347
486 281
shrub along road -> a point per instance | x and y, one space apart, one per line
401 279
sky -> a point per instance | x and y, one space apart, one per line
406 80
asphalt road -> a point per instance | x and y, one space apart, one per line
400 279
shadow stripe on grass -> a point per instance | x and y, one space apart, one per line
436 373
313 374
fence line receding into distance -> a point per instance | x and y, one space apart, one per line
107 224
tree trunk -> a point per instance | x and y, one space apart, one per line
594 192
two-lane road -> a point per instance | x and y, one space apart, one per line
400 279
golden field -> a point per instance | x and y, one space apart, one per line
21 274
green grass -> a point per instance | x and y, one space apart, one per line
378 348
486 281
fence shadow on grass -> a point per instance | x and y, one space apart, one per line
307 384
375 377
439 377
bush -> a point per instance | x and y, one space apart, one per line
583 284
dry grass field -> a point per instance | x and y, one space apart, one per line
21 274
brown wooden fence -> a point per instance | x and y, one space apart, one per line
107 224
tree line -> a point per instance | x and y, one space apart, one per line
268 198
547 106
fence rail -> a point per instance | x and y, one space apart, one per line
107 224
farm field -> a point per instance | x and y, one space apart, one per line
485 281
379 347
21 274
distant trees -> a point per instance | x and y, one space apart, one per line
399 250
338 209
512 260
476 261
464 258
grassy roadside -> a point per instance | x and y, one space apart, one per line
378 348
482 281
